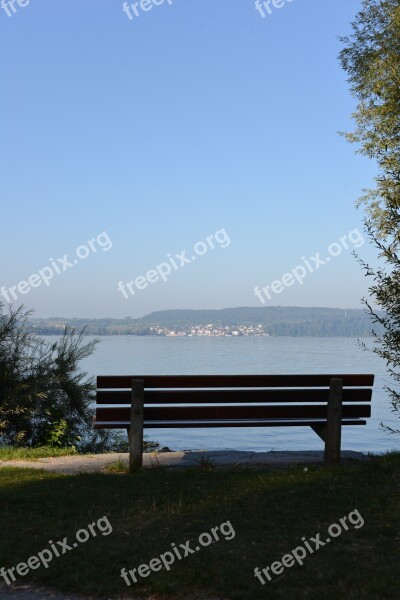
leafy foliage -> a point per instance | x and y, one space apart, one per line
44 397
371 57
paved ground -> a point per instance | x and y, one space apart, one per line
98 463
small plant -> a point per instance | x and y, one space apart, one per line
119 466
205 463
154 460
58 435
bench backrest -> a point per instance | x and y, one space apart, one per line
230 400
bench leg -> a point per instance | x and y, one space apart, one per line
333 431
135 431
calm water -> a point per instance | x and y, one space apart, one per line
132 355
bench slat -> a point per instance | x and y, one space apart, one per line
241 423
199 413
231 396
187 381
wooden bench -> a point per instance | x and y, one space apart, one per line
322 402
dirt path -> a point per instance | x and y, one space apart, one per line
71 465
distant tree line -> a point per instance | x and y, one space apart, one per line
276 320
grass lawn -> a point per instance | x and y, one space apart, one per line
11 453
269 510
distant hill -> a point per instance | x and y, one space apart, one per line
276 321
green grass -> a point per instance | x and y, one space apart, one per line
10 453
270 511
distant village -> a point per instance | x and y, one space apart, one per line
209 330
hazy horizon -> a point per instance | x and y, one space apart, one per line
35 316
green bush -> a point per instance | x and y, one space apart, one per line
44 396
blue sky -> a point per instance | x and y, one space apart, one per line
157 132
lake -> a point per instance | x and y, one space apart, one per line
121 355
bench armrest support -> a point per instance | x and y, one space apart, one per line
136 426
333 433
